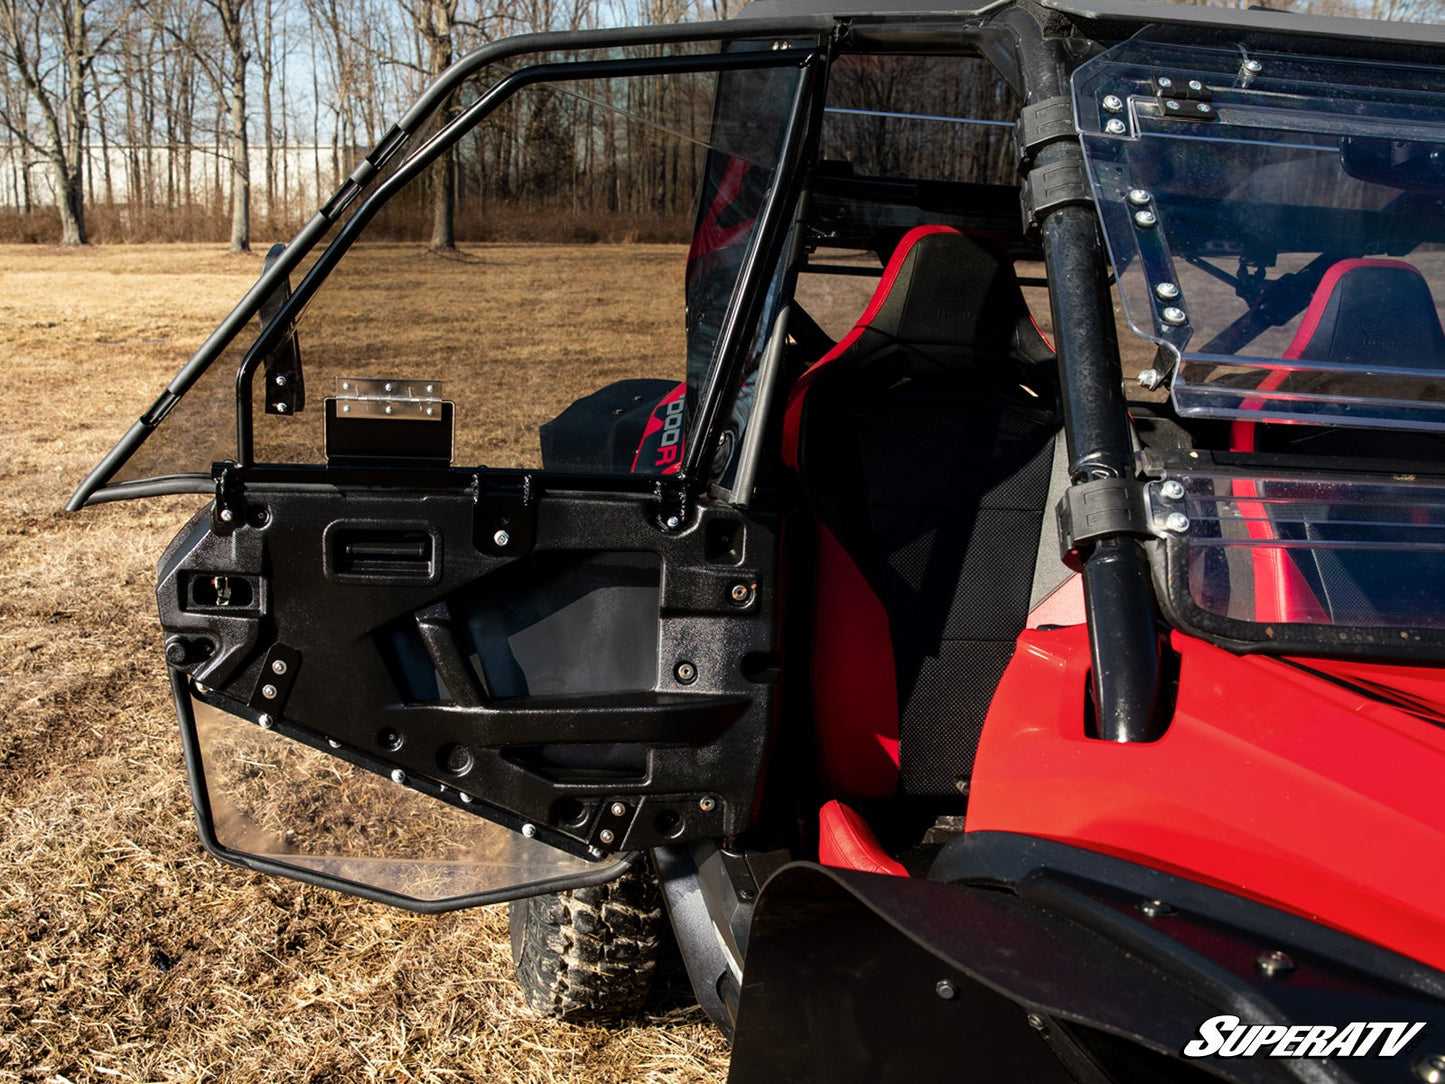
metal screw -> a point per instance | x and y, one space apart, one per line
741 592
685 672
708 804
1253 66
398 776
1171 104
280 380
278 667
1205 107
227 515
1155 908
333 743
1116 127
1430 1068
618 809
946 990
345 385
265 722
1195 84
390 409
387 387
268 691
1150 378
606 835
280 408
1172 490
1166 291
1113 103
1174 315
1139 197
529 830
430 389
346 408
430 411
465 797
1274 963
1165 82
1177 522
501 538
673 523
1035 1021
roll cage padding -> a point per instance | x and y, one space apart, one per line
923 442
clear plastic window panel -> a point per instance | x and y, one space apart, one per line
1277 224
1368 554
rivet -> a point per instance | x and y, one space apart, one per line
227 515
1116 127
268 691
741 592
1155 908
398 776
1174 315
1113 103
1172 490
1430 1068
278 667
618 809
1177 522
708 804
1166 291
529 830
265 722
946 990
1147 219
1139 197
606 835
1275 963
501 538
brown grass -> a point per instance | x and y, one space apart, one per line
127 954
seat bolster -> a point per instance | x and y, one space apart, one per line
846 842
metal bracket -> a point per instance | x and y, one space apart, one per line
504 523
229 510
1058 184
1039 125
673 506
278 674
1103 508
285 387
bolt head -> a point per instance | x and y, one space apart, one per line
1205 107
1430 1068
1177 522
1147 219
607 835
346 408
390 409
227 515
1140 197
280 380
708 804
1174 315
1171 104
501 538
1274 963
398 776
529 830
465 797
333 743
1035 1021
618 809
278 667
268 691
1165 82
685 672
1166 291
673 523
1195 84
265 722
1150 378
1172 490
1116 127
741 592
946 990
1253 66
1113 103
1155 908
387 387
280 408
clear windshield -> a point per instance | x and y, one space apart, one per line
1276 223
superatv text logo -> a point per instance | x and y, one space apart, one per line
1228 1037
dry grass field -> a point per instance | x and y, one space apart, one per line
126 953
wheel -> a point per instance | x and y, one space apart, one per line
591 953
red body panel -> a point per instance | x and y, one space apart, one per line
1270 782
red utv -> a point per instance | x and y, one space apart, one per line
965 715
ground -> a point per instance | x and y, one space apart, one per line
126 953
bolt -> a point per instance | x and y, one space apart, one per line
346 408
1147 219
1172 490
1165 82
345 385
398 776
387 387
685 672
465 797
1274 963
1116 127
1113 103
673 523
280 380
1139 197
265 722
333 743
1174 315
618 809
1253 66
1155 908
708 804
606 835
1430 1068
1172 104
268 691
1195 84
946 990
501 538
430 388
1205 107
1166 291
1177 522
280 408
278 667
529 830
741 592
390 409
1150 378
227 515
1035 1021
430 411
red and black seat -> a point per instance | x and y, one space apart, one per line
925 445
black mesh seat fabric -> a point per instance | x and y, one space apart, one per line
924 442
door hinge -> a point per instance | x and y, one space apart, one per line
229 510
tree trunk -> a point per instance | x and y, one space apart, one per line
233 26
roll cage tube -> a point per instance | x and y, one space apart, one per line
470 118
88 492
1124 641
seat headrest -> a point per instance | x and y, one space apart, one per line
1371 312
